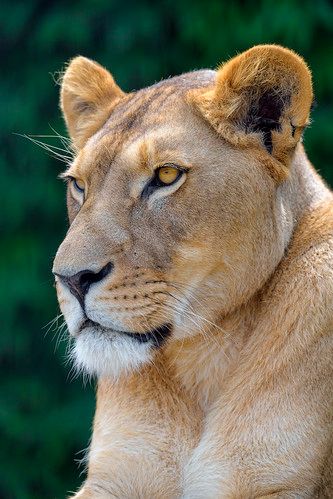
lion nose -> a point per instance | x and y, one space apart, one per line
80 282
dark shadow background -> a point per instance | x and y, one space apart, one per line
45 417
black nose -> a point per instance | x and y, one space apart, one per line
79 283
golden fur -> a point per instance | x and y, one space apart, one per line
236 257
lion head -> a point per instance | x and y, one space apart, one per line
179 200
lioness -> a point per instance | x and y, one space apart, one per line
196 279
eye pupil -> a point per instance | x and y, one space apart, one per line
167 174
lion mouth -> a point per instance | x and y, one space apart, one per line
156 337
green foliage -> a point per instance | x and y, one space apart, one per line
44 417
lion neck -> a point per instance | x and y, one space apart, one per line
303 189
203 363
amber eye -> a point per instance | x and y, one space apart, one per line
168 174
164 176
78 184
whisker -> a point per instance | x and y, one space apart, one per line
195 313
53 322
49 148
66 141
44 143
191 316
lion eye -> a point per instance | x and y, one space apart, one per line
78 184
168 174
164 176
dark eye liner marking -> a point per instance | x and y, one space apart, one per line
77 187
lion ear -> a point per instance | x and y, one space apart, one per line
88 95
263 97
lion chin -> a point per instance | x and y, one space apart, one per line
99 351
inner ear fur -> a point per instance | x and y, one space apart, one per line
261 98
88 95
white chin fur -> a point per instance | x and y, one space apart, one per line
108 354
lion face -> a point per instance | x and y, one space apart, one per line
173 224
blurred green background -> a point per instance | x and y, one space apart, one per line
45 417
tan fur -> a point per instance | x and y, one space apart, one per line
237 257
88 94
240 84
